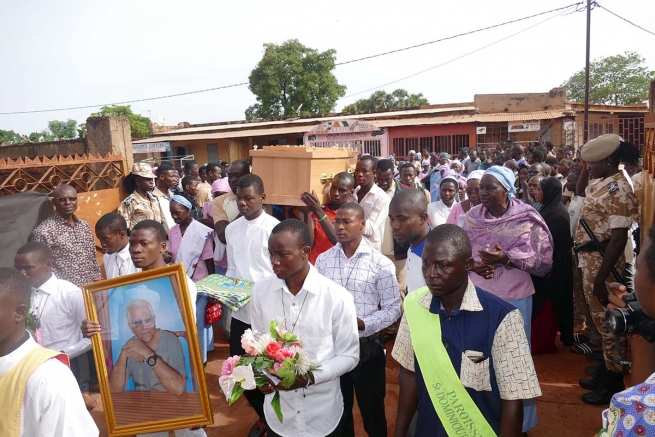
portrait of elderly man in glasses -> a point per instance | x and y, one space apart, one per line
153 357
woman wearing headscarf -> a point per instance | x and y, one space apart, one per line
140 204
438 211
458 213
510 242
552 303
191 243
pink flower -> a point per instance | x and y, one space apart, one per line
276 367
284 354
228 365
273 348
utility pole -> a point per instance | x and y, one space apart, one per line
586 77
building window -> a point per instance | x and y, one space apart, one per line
373 148
426 143
399 147
460 141
595 130
300 141
443 143
212 152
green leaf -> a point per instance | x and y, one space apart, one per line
275 403
236 394
273 328
290 337
287 372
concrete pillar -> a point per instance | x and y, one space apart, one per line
110 135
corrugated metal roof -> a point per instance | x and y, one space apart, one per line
317 120
448 119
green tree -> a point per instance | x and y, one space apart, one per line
399 98
63 130
613 80
37 137
139 124
81 130
10 137
292 79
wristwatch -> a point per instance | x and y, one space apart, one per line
152 360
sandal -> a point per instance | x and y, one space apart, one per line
585 348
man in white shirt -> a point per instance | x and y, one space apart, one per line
371 278
51 404
322 314
224 207
247 258
111 231
59 307
408 219
167 179
373 199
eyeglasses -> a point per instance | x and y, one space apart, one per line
147 323
64 199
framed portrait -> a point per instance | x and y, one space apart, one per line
147 355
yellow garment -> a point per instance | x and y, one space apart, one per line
13 384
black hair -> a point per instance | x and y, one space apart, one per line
627 154
129 183
164 167
346 177
373 160
353 206
192 200
410 199
464 149
549 145
156 227
212 166
566 161
518 148
650 255
551 161
296 227
454 235
407 165
13 282
113 222
252 181
38 248
244 164
189 165
385 165
522 166
187 180
538 155
203 168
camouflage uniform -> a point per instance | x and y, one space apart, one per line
609 204
135 209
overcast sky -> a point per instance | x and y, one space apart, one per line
74 53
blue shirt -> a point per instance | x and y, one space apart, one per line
435 188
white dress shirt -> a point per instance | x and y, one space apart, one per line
119 263
59 306
376 210
53 405
323 316
247 253
371 278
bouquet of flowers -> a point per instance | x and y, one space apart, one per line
278 355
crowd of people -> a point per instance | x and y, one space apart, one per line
495 252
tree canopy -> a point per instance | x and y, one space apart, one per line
139 124
399 98
613 80
63 130
10 137
292 79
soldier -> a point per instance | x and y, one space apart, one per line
140 204
610 208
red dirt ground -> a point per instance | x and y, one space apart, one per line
561 413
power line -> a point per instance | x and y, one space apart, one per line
564 8
460 57
460 34
625 19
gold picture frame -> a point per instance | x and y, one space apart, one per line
147 405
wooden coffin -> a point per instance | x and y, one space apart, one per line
287 171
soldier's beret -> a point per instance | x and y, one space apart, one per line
601 147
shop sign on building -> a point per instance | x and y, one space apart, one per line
151 147
524 126
358 134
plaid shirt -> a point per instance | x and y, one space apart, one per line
73 249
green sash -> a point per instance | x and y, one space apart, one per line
457 411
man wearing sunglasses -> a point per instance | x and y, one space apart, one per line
153 358
69 238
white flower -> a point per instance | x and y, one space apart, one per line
242 375
249 344
263 341
303 363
